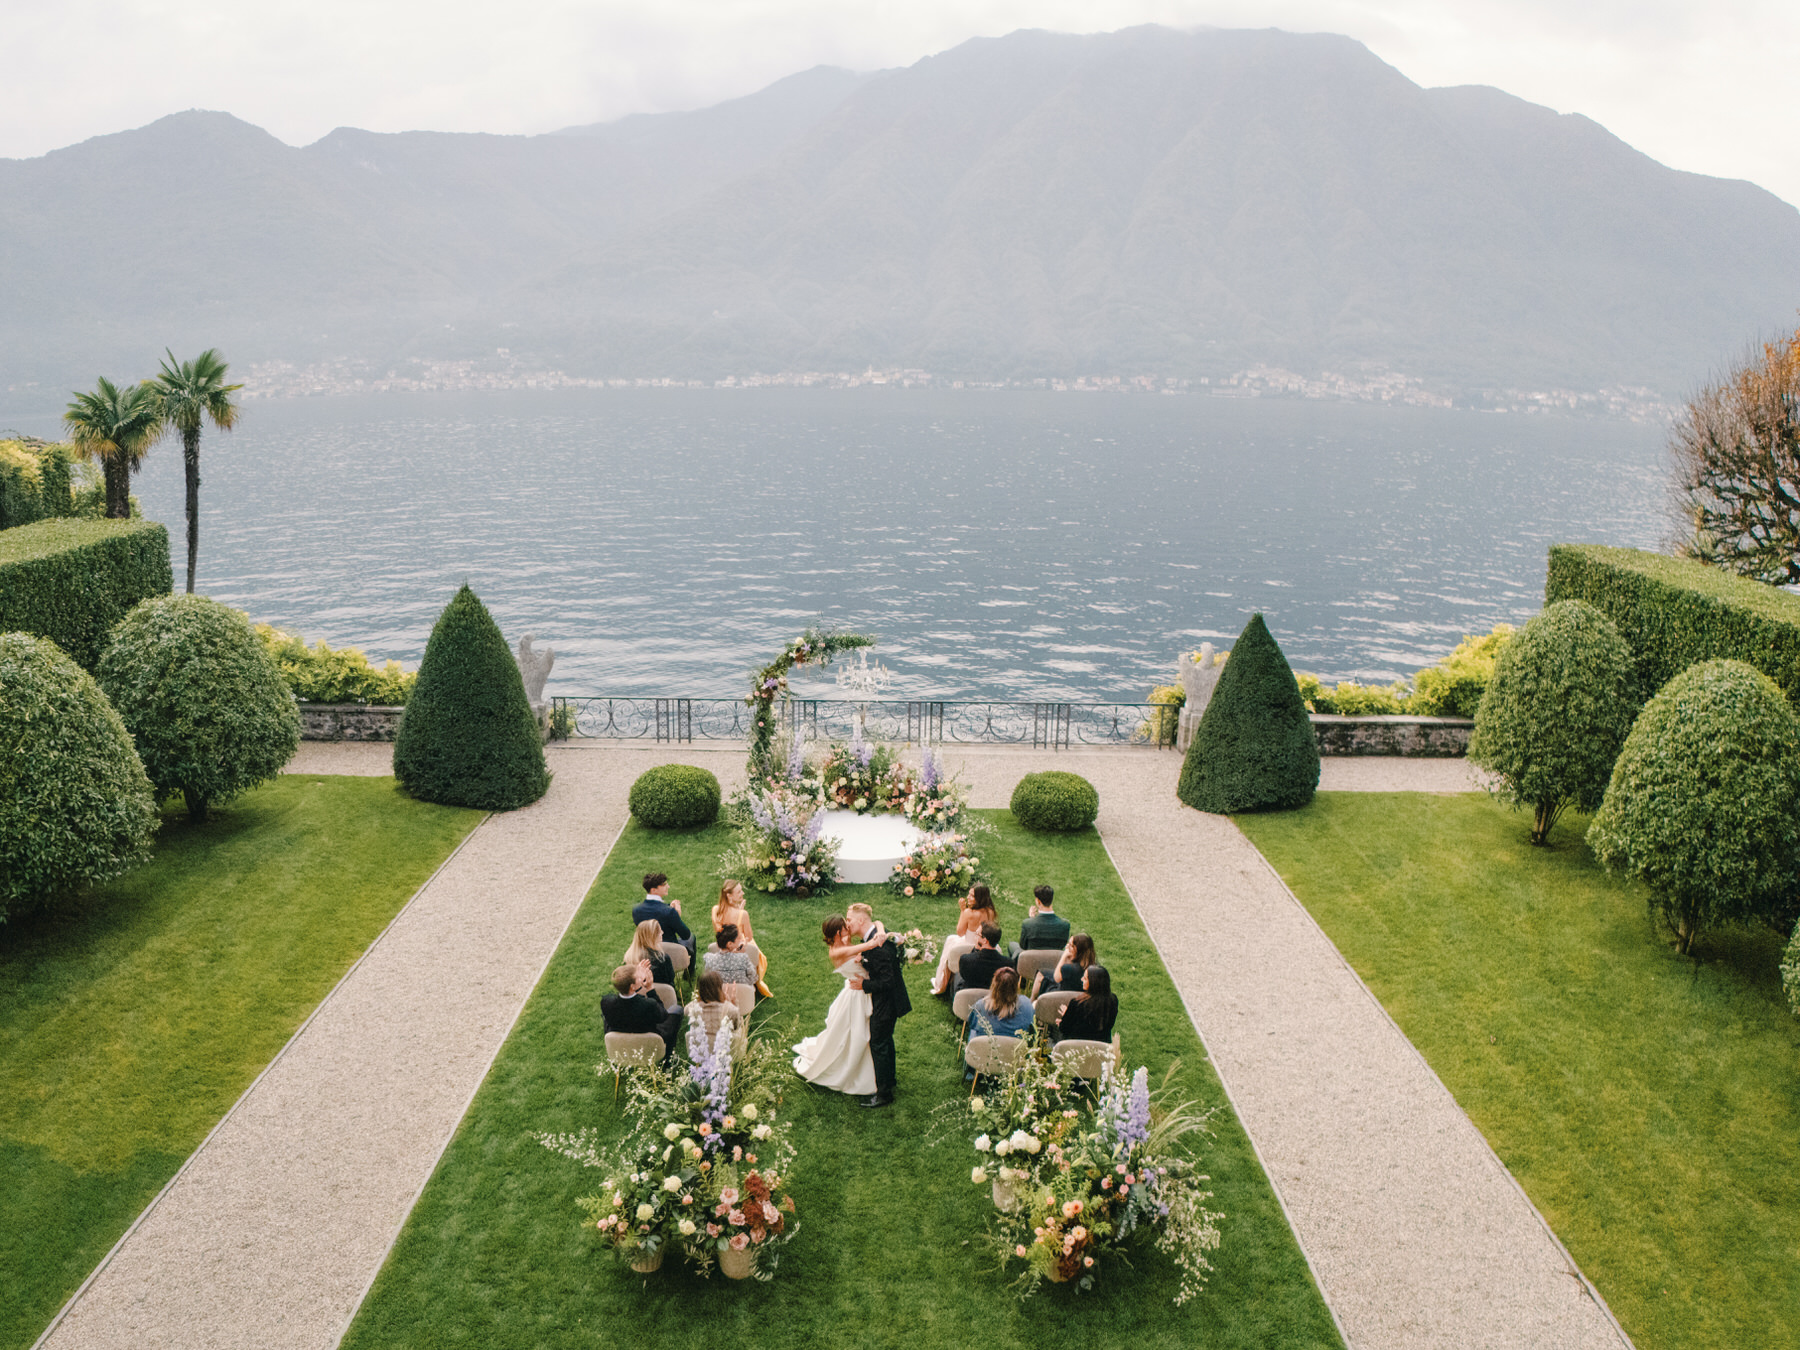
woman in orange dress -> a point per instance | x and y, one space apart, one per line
730 909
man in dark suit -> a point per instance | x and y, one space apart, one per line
1044 929
888 1001
977 967
634 1006
657 905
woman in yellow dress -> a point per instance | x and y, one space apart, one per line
730 909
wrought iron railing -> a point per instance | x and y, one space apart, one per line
1044 724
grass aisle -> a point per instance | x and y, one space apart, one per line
888 1252
129 1025
1649 1105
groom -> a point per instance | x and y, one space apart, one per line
888 1003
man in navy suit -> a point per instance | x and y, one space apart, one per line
976 969
657 905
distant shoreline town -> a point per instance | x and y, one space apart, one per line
282 379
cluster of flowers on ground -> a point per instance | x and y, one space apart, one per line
937 863
1077 1177
703 1163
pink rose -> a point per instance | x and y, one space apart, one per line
1087 1260
1019 1250
712 1230
739 1241
729 1195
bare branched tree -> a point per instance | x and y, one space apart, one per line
1737 467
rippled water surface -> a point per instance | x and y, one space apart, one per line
1000 544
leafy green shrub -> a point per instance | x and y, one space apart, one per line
469 737
34 482
317 674
675 797
72 580
1254 749
1704 802
1556 712
1790 971
1454 686
211 715
1674 612
75 806
1055 802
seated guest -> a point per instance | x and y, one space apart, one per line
1004 1012
970 915
1077 956
657 905
730 909
634 1006
711 1009
731 963
976 968
1091 1014
646 945
1044 929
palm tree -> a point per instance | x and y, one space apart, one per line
193 392
116 425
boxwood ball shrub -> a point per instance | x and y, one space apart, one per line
675 797
469 737
211 715
76 808
1055 802
1556 713
1254 749
1704 802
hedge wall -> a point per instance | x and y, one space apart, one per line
34 482
72 580
1674 612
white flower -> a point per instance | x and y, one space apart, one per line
750 1111
1033 1144
667 1150
983 1143
671 1183
1002 1148
645 1213
687 1228
1018 1139
978 1176
977 1104
671 1132
761 1132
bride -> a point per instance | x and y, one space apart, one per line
838 1057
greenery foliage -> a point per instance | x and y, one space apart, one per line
1557 711
317 674
72 580
1054 801
1451 688
675 797
1790 970
469 737
75 806
1254 749
35 481
769 685
1704 802
188 395
211 715
115 424
1674 612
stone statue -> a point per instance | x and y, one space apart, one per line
534 669
1199 675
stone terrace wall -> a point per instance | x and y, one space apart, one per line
1421 737
348 722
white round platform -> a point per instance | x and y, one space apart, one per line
870 846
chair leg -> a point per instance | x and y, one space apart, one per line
615 1085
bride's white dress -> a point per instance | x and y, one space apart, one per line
838 1057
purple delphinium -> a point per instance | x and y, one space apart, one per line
928 776
796 764
1137 1120
711 1069
760 812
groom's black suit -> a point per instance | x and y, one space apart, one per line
885 984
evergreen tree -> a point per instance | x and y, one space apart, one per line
468 737
1254 749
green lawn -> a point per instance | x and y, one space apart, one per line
493 1257
1649 1105
129 1025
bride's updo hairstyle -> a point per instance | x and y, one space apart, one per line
833 928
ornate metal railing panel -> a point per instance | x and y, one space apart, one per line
1045 724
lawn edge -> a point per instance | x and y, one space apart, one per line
1505 1171
220 1124
387 1251
1225 1087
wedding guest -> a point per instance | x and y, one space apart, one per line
1005 1011
1077 956
633 1006
970 915
1091 1014
976 969
657 905
711 1009
1044 929
646 945
731 963
730 909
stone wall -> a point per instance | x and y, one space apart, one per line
348 722
1422 737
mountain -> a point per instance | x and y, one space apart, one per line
1147 201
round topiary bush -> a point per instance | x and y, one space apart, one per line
1704 802
209 710
1556 713
1254 749
75 806
675 797
469 737
1055 802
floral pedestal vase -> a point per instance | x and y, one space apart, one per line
736 1265
645 1262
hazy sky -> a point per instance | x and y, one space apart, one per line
1701 86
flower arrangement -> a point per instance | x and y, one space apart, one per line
936 863
779 847
749 1216
921 948
864 776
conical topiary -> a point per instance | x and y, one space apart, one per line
468 737
1254 749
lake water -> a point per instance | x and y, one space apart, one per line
1000 544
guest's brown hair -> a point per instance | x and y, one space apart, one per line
1084 950
710 988
1003 993
623 977
727 935
990 934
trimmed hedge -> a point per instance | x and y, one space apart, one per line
34 482
1674 612
675 797
1054 802
1254 749
72 580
